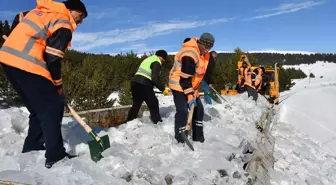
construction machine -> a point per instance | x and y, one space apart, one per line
270 91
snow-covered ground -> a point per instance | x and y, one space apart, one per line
305 132
142 153
311 105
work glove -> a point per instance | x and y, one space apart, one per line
165 92
191 101
62 96
206 89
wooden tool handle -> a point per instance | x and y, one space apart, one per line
87 128
79 119
190 116
4 37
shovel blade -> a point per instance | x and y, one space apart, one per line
185 138
96 148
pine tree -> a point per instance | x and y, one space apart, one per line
125 95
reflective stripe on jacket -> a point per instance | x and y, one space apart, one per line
25 46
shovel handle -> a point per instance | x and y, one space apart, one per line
4 37
87 128
190 116
217 93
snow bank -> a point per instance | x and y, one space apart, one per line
141 152
300 159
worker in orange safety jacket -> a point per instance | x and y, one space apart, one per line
253 82
31 59
244 67
185 76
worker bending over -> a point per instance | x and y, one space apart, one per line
184 79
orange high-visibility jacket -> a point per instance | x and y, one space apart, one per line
25 46
253 82
243 71
189 49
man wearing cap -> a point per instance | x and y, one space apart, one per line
189 67
148 76
31 59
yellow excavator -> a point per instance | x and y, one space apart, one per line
271 92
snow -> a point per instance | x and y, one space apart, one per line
313 104
142 153
114 96
305 132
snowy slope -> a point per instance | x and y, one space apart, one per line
314 103
143 153
305 131
140 152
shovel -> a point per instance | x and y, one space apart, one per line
188 126
220 96
96 146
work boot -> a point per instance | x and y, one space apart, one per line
49 164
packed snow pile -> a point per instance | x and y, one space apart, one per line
140 152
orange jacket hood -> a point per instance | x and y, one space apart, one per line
192 43
56 7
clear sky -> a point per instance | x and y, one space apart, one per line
115 26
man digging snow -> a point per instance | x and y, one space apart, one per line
31 59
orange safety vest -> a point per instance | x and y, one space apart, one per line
189 49
242 72
253 82
24 48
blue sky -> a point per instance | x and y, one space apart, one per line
144 26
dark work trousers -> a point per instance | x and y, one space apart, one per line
46 112
141 93
252 92
181 117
